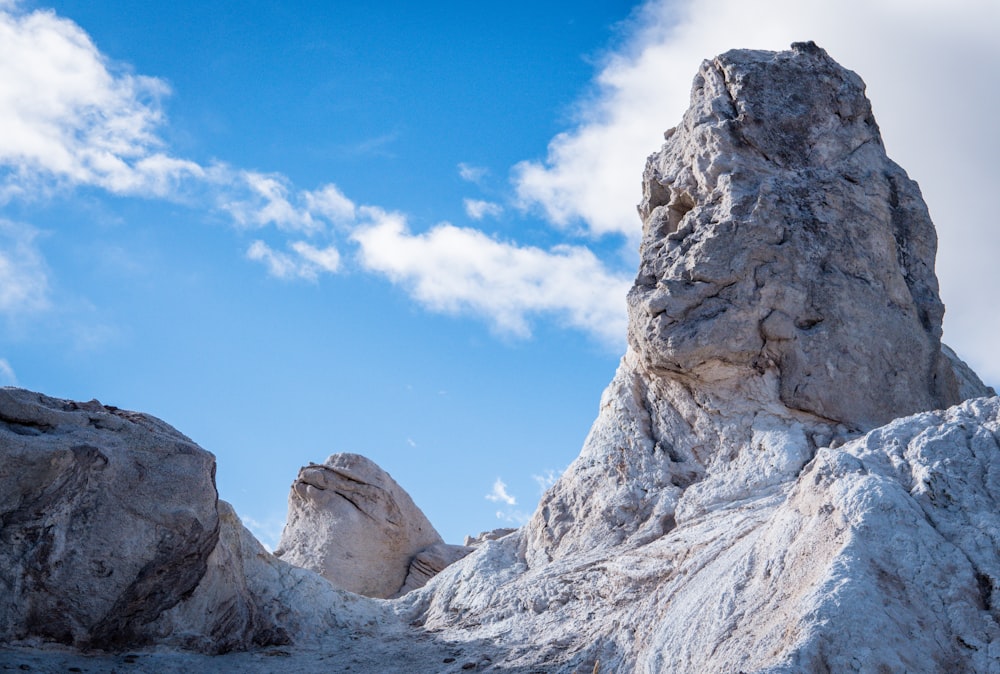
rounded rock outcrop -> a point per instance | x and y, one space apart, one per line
350 522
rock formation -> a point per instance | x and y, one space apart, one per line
715 519
785 299
783 476
350 522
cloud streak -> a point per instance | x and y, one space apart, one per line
7 376
478 209
24 276
305 261
71 117
454 270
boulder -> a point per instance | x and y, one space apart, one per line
107 519
350 522
248 599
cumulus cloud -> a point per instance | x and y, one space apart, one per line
305 261
24 279
477 209
68 114
500 495
453 269
927 65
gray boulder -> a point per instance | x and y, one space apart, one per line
107 519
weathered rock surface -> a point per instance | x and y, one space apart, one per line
429 562
107 519
250 599
112 536
778 236
785 300
350 522
881 555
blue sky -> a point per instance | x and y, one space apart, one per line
402 230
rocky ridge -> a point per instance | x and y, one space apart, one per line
783 475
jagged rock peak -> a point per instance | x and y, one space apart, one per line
785 301
778 236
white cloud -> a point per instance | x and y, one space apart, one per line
7 376
472 174
329 202
453 269
267 204
500 495
477 209
304 262
24 281
68 115
928 66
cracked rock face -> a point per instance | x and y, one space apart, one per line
778 236
349 521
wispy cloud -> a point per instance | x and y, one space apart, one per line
24 277
70 117
268 531
472 174
546 479
478 209
499 494
453 269
305 261
516 517
7 376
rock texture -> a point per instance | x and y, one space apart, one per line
350 522
783 476
882 555
112 537
107 519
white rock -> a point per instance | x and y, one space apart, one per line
882 555
349 521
